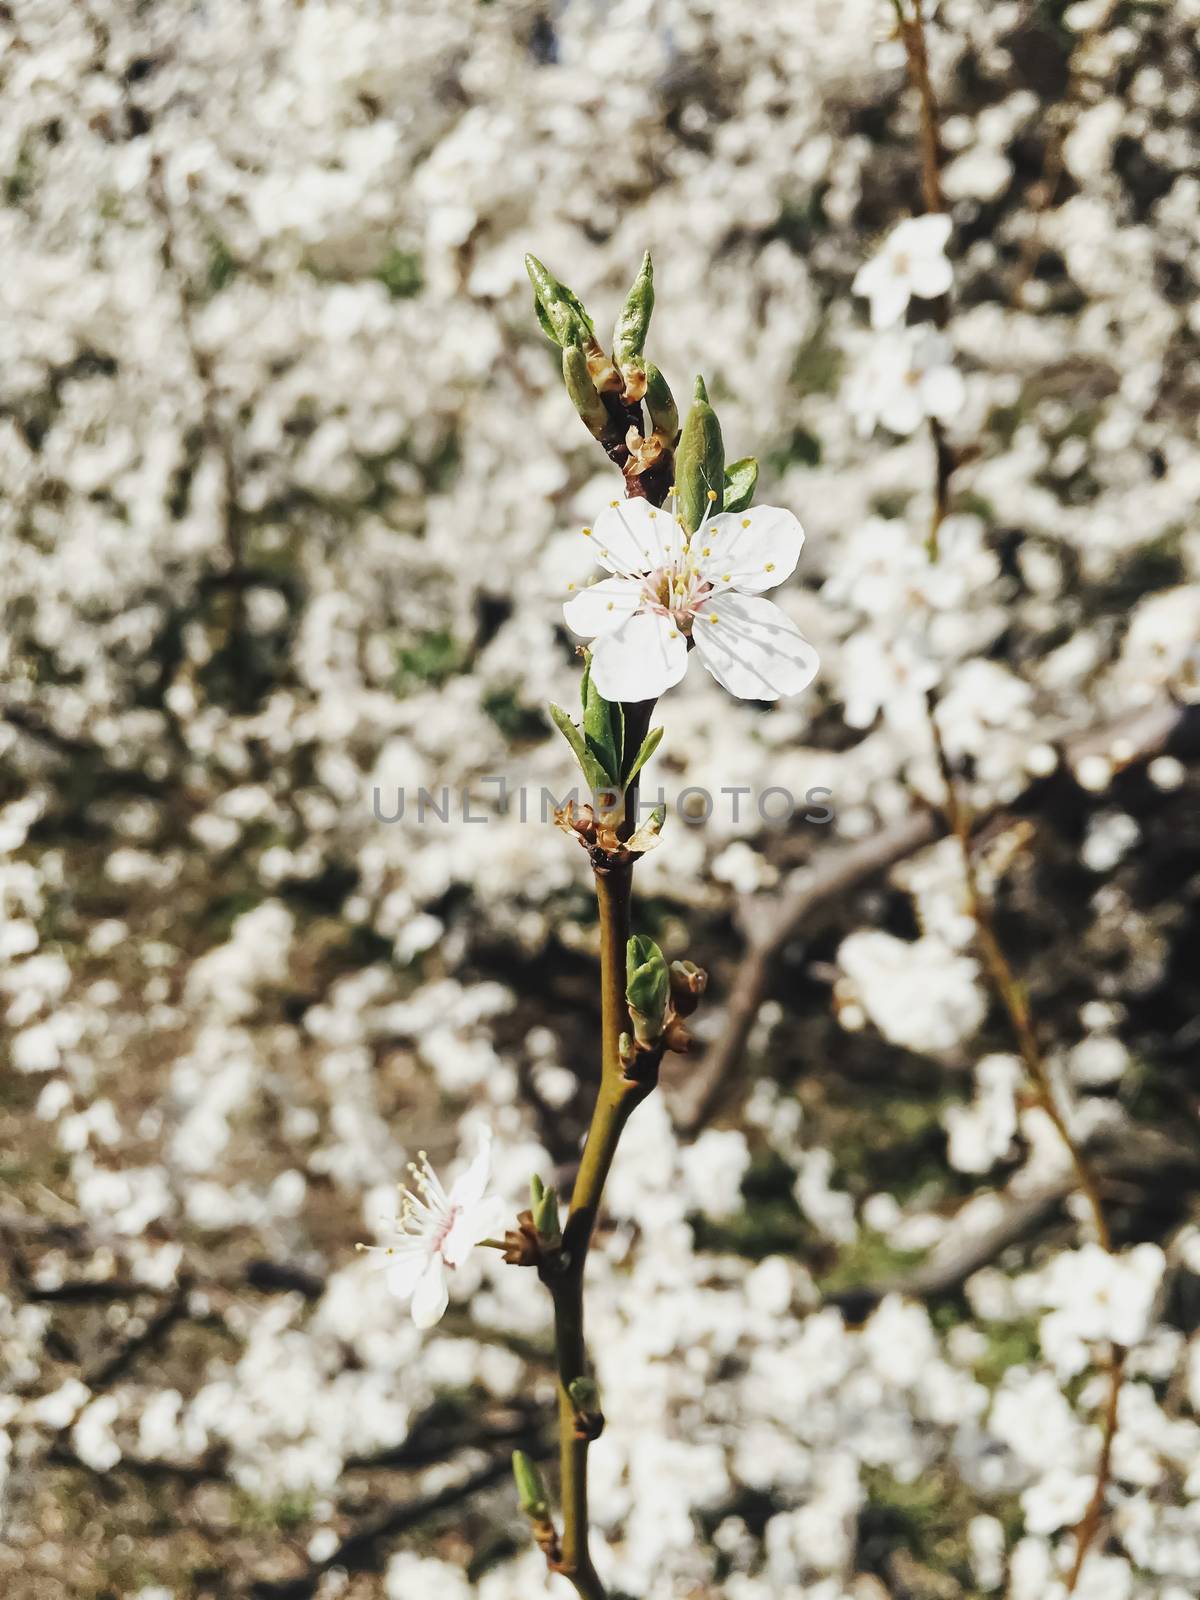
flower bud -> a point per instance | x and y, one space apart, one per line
561 313
688 983
531 1487
647 988
582 391
629 335
660 403
700 463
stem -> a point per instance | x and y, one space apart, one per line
617 1098
1012 996
912 34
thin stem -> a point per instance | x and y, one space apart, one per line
617 1098
912 34
1012 996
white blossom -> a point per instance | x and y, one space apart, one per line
437 1231
670 590
911 261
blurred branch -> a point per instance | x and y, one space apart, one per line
770 926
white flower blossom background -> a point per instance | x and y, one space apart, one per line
291 502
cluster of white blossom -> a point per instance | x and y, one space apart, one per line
291 500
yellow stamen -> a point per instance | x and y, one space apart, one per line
712 494
770 566
712 616
587 533
745 522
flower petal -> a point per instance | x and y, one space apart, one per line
486 1220
468 1189
602 606
926 235
432 1294
753 648
931 276
889 301
404 1271
639 660
632 537
943 392
752 551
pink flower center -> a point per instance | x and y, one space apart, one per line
676 593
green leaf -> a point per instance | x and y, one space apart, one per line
562 314
582 391
604 730
531 1487
649 745
629 335
660 403
741 480
595 775
700 465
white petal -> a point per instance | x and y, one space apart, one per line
901 410
870 275
751 551
889 302
922 236
633 537
404 1270
639 660
486 1220
432 1294
602 606
943 393
468 1189
931 276
754 649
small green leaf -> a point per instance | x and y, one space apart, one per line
531 1487
647 987
660 403
562 314
629 335
604 730
700 466
741 480
595 775
649 745
582 391
545 1212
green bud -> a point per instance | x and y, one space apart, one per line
531 1487
582 390
629 335
545 1212
660 403
700 463
561 313
741 479
647 987
584 1394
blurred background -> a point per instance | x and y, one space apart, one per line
291 493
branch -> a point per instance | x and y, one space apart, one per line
1133 738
